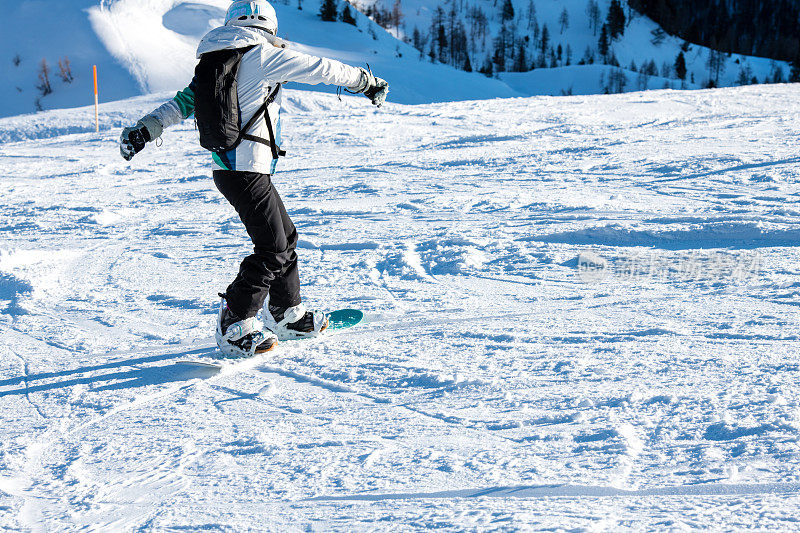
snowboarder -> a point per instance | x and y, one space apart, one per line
246 58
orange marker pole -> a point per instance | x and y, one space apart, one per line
96 102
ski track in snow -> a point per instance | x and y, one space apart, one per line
497 384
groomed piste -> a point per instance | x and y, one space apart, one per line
581 314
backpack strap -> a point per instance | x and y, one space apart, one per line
244 136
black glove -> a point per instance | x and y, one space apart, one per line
373 88
133 140
377 92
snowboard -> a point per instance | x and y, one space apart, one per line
338 320
343 319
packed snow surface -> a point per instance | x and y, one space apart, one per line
582 315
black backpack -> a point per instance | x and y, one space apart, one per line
217 103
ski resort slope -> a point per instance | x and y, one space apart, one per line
158 40
504 379
141 47
145 47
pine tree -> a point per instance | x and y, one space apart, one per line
593 13
532 15
563 20
442 41
615 20
478 24
328 10
617 81
416 39
588 56
511 42
716 66
453 36
794 75
500 44
521 60
438 36
545 39
347 16
777 74
508 11
602 43
680 66
487 69
642 80
459 45
745 75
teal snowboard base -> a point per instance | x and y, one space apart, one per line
344 318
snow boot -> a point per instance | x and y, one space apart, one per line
294 322
241 338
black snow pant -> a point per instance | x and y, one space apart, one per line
272 268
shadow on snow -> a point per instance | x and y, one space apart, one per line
123 379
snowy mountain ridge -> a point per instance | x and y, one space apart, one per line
512 38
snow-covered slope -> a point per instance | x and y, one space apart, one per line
31 31
148 46
142 47
578 41
177 28
502 382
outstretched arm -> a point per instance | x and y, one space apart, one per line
290 65
148 128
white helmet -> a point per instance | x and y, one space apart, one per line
254 13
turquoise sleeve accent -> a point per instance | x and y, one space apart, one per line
185 101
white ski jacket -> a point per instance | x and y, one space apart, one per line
262 67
